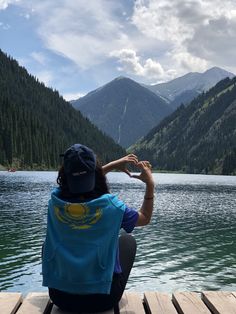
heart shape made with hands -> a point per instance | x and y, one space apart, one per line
129 162
141 166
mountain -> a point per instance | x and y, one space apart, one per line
123 109
37 124
198 138
185 88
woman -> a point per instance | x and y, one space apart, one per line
86 264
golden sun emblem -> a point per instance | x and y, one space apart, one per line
77 211
78 216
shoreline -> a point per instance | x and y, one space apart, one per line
4 169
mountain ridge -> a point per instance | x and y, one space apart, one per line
123 109
101 106
194 82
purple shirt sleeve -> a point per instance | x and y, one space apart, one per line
129 219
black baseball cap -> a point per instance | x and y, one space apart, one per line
79 166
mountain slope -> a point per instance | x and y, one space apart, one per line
199 138
123 109
185 88
37 124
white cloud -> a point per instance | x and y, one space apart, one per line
5 3
83 33
153 69
200 33
189 62
158 20
151 39
217 40
5 26
131 63
182 30
39 57
72 96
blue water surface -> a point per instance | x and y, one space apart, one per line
190 243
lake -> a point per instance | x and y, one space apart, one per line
190 243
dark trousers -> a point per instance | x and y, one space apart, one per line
101 302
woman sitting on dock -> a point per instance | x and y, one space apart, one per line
86 264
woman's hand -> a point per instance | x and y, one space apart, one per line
146 172
121 164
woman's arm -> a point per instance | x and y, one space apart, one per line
121 164
145 212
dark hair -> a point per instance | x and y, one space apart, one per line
100 188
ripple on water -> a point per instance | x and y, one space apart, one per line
189 245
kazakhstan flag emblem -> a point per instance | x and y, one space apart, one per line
78 216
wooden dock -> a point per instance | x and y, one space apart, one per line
208 302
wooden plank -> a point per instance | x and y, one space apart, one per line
189 302
35 303
56 310
220 302
131 302
159 303
9 302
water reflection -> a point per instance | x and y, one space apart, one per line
189 245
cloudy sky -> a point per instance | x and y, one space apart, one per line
75 46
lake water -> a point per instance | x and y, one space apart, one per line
189 245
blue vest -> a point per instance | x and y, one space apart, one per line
81 241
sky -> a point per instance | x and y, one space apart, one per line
76 46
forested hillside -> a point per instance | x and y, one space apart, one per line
37 124
198 138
